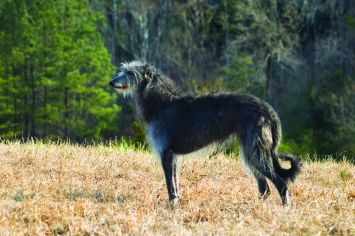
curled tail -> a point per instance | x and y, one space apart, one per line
287 174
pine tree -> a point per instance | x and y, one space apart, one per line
54 71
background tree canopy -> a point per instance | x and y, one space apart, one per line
56 59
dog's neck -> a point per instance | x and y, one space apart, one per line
151 97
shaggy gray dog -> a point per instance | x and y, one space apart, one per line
180 124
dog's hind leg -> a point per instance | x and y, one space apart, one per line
263 187
258 159
267 169
282 188
264 190
168 161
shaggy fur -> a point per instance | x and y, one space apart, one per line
181 124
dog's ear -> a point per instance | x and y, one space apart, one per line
151 72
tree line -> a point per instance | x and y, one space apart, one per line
54 69
56 58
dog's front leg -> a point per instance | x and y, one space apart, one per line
168 160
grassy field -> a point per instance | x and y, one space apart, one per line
101 190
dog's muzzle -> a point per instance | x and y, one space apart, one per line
117 85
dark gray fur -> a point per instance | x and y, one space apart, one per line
180 124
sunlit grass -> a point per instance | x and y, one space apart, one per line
62 188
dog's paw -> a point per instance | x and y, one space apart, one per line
286 200
265 195
173 203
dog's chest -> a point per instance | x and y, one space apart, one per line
156 138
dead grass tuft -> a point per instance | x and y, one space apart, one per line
70 189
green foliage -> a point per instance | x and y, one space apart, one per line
302 144
350 21
126 144
344 175
240 75
138 131
54 71
335 104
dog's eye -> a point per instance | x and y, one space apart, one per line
129 73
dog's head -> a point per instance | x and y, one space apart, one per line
131 75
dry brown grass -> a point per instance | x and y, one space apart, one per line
68 189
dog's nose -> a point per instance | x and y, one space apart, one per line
112 83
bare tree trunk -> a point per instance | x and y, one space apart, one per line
33 105
66 113
113 32
26 118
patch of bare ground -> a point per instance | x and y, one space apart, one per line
98 190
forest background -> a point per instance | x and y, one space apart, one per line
57 57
